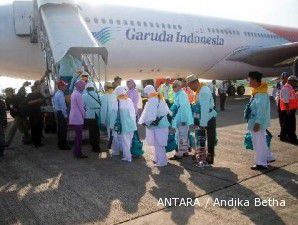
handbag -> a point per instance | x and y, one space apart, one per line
136 148
117 125
171 145
248 140
247 110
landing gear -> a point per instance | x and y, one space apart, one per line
295 67
240 90
233 89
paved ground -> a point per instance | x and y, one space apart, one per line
48 186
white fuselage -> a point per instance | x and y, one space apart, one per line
146 44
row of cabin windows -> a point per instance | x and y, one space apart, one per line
261 35
223 31
236 32
134 23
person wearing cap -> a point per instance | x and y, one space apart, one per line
13 102
105 111
222 91
281 114
205 117
77 116
3 124
154 118
79 75
34 101
117 82
123 119
182 119
61 113
187 90
133 94
288 105
257 114
92 105
166 90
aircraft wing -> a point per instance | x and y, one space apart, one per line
271 57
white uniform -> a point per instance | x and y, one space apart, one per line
122 141
156 136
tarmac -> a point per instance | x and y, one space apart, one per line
48 186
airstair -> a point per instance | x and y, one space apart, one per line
65 38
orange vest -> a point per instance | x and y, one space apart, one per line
293 98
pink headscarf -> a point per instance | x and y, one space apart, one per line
132 81
80 86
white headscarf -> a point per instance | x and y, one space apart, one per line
154 108
120 90
124 103
149 89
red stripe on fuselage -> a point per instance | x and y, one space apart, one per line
288 33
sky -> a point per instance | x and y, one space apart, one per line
277 12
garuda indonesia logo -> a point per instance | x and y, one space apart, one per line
105 34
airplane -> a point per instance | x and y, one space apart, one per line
145 43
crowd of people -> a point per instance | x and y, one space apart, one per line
184 108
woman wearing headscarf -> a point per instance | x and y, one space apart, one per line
76 117
92 105
133 94
124 123
106 102
154 117
182 119
257 114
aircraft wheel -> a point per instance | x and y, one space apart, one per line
240 90
231 90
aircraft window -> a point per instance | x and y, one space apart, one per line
132 23
111 21
151 24
222 31
125 22
163 25
157 25
95 20
226 32
230 32
237 32
234 32
145 24
139 23
180 27
213 30
174 27
118 22
87 19
255 34
209 30
217 30
103 21
169 26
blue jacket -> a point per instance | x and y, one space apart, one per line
92 104
127 116
260 112
106 109
206 104
183 110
